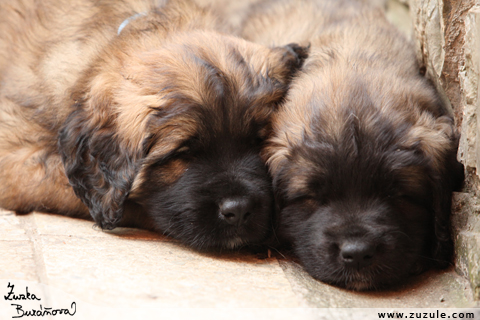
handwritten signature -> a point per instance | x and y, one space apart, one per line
41 311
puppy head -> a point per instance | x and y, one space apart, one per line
365 192
178 130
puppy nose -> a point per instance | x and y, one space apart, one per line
236 210
357 254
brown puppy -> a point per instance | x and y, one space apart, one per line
132 102
363 153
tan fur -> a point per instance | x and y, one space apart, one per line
43 52
63 56
387 67
362 149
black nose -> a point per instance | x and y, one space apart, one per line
236 210
357 254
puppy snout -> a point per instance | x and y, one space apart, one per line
357 254
236 211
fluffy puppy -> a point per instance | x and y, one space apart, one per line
107 105
363 152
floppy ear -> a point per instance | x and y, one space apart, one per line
285 61
278 64
105 143
437 139
100 168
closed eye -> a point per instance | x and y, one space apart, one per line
298 198
416 199
183 149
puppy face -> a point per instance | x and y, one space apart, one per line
182 137
364 194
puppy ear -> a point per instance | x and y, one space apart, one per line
285 61
98 165
437 140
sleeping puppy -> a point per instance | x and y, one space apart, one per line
107 105
363 152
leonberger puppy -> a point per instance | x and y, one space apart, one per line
137 107
363 152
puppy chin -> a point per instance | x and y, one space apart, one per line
357 245
234 243
360 284
360 281
363 280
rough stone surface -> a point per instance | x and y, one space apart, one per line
469 75
447 37
467 238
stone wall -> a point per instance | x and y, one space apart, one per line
447 37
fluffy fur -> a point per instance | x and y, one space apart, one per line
363 152
165 119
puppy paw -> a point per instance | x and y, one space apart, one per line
108 219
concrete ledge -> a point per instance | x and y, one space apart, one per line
132 272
